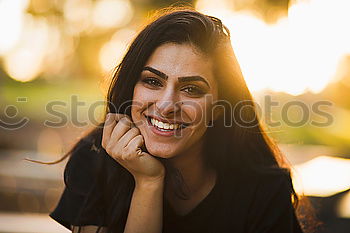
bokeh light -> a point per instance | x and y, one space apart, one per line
112 13
49 142
322 176
11 11
113 51
299 53
26 61
28 201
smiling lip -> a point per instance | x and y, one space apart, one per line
157 131
168 121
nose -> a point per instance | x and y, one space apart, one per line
167 104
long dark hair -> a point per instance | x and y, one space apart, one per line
244 145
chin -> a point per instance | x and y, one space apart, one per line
161 151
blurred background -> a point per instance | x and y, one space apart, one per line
57 56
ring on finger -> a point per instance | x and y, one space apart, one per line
139 151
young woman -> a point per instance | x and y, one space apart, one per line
181 148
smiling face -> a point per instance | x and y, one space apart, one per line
172 100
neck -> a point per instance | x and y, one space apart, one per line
193 170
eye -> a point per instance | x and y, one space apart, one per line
152 81
193 90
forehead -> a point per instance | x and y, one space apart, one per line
177 60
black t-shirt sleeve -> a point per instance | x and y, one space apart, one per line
67 208
273 211
80 174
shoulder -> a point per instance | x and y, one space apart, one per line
272 185
271 206
87 151
258 189
83 166
273 180
81 192
87 161
83 154
267 179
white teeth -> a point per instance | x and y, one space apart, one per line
164 125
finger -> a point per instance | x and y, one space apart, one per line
108 128
128 136
119 116
110 122
123 125
136 143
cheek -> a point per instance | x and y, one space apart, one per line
198 112
137 103
141 97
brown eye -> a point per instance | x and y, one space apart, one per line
153 82
193 90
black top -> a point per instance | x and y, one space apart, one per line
246 203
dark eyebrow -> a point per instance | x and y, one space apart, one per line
157 72
181 79
193 78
